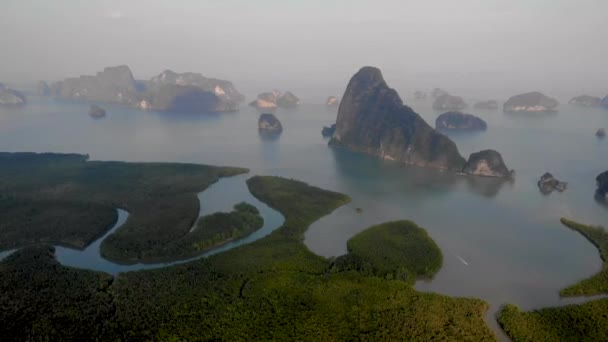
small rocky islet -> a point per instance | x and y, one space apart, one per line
96 112
328 131
269 124
275 99
585 101
332 101
547 184
459 121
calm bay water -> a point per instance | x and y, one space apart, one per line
502 241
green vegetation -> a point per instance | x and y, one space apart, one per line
395 250
276 289
585 322
598 283
65 199
271 289
40 300
24 221
215 230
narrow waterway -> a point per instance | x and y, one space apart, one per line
219 197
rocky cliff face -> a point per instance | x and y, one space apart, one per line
533 102
458 121
487 163
372 119
11 97
585 101
449 102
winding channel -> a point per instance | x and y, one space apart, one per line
219 197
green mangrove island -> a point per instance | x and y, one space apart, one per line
271 289
583 322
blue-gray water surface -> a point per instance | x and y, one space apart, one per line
502 241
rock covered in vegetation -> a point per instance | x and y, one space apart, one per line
487 105
97 112
585 101
533 102
602 185
43 89
328 132
547 184
372 119
487 163
11 97
332 101
459 121
600 133
269 123
449 102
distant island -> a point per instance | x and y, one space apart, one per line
458 121
275 99
168 91
449 102
488 105
547 184
97 112
533 102
332 101
11 97
585 101
269 124
372 119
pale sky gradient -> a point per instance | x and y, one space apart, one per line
466 46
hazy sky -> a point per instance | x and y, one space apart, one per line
466 45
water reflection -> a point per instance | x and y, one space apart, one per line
356 169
